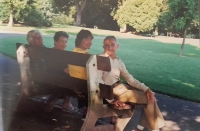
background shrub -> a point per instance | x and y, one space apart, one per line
36 18
63 19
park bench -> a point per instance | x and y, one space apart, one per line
46 65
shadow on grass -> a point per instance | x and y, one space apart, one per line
179 115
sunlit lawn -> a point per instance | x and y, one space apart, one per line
71 30
156 64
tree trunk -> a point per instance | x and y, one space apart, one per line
156 31
124 28
79 9
10 23
78 19
184 35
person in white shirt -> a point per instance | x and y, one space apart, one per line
136 92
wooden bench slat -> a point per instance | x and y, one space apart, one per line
57 57
64 81
106 91
103 63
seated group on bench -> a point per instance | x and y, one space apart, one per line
34 37
134 92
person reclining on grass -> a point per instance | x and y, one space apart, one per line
136 92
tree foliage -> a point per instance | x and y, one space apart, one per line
65 11
181 15
140 14
46 8
63 19
94 12
98 13
63 6
31 12
12 7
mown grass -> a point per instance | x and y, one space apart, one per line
71 30
156 64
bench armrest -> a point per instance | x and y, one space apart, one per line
106 91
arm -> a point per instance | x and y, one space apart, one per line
135 83
150 95
130 79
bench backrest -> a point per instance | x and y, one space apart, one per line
47 64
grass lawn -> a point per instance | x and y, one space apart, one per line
156 64
71 30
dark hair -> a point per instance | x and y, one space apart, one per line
60 34
109 37
81 35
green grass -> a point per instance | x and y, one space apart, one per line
52 32
71 30
156 64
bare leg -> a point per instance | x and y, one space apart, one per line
51 102
67 101
67 106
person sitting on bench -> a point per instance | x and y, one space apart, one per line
136 92
83 42
60 43
34 37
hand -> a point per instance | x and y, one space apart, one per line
150 95
66 70
117 103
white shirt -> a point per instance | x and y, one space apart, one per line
118 69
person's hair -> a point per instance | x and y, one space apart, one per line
109 37
81 35
60 34
30 35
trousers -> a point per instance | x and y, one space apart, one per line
151 116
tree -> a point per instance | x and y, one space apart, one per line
45 6
181 16
63 6
31 12
80 5
140 14
11 7
98 13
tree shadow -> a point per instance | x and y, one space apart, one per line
180 115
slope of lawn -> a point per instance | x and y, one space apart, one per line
156 64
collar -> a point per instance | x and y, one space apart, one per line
111 57
80 50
